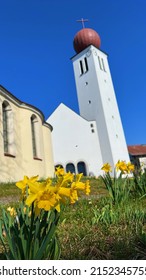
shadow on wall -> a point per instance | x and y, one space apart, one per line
13 165
10 148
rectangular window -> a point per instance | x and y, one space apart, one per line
99 63
33 138
86 64
5 130
103 65
81 68
8 132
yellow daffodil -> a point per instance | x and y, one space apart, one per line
73 196
48 200
122 166
65 180
64 191
30 199
106 167
130 167
69 193
59 171
12 211
80 186
35 187
87 187
35 190
23 183
78 177
24 210
48 195
68 177
77 185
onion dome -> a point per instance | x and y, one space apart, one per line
84 38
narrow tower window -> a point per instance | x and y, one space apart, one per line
86 64
99 63
81 68
103 64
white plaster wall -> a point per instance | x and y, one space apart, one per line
48 152
97 102
73 140
142 161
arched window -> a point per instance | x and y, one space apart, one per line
8 133
58 165
81 166
35 136
70 167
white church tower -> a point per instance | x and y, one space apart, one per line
96 95
83 143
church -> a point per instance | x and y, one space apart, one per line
25 140
84 142
31 145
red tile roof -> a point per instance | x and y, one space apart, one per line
137 150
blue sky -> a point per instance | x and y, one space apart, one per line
36 44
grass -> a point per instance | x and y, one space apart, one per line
80 238
9 193
92 228
8 189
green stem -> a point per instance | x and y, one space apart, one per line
30 233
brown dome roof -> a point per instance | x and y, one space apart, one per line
84 38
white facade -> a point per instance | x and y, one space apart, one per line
97 101
75 141
96 136
142 161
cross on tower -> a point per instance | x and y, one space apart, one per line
82 21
